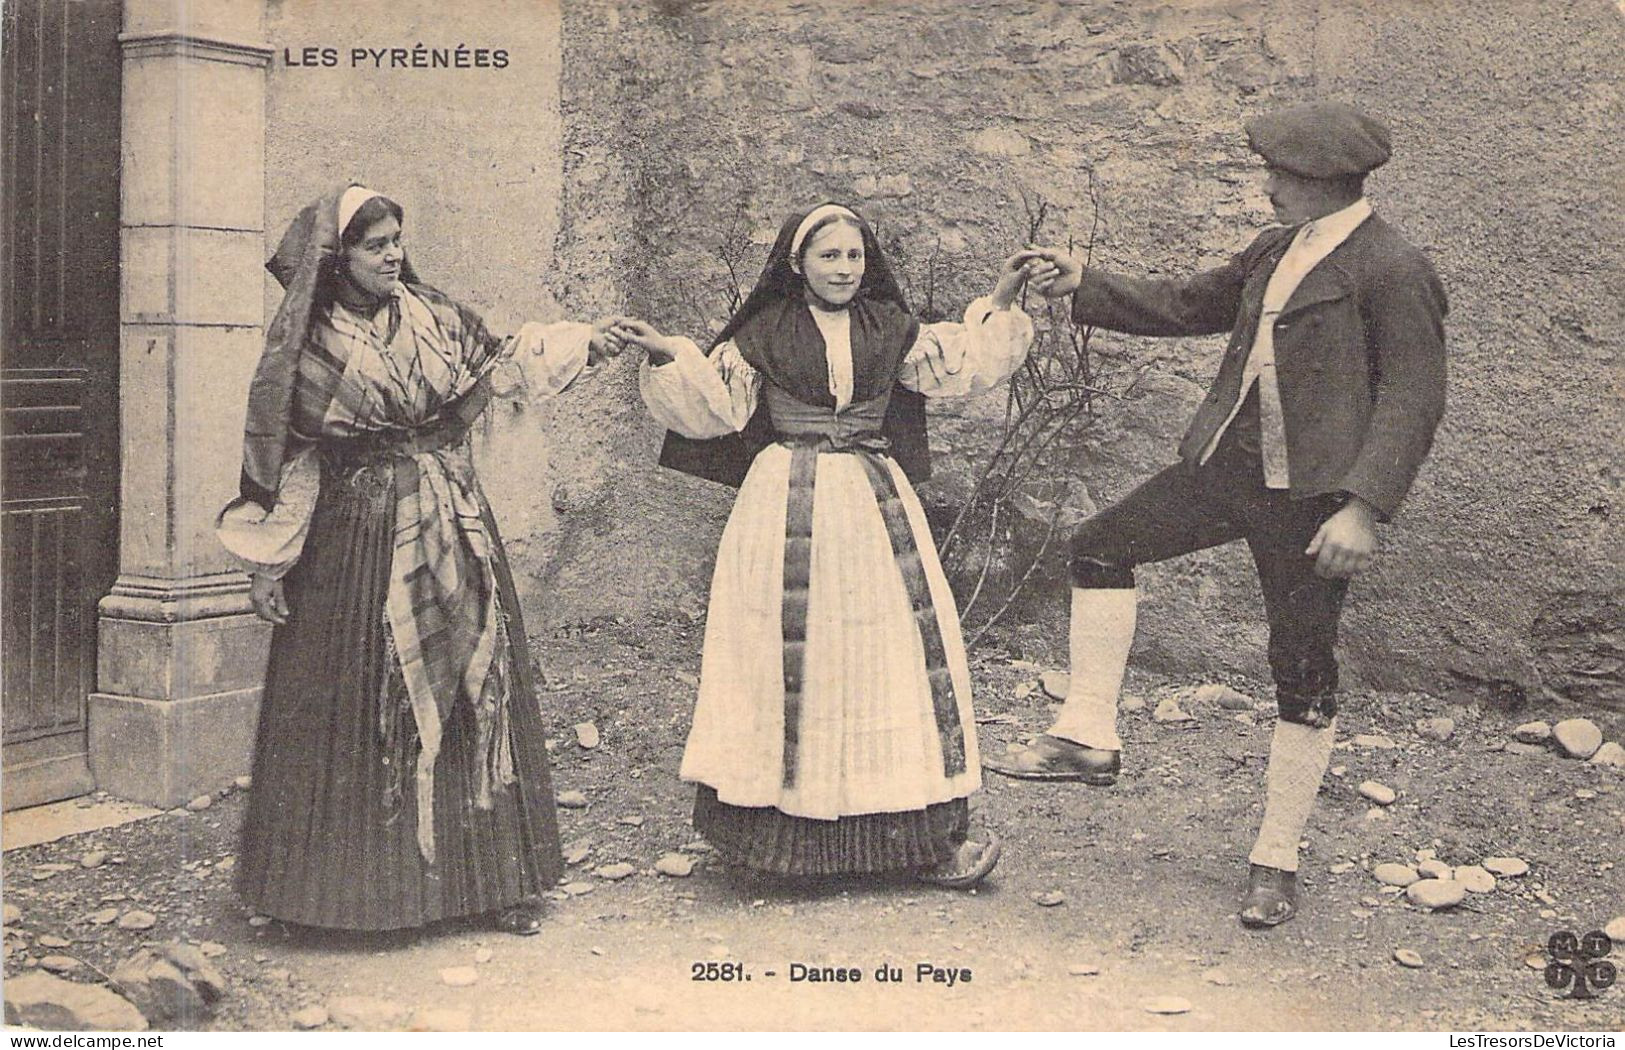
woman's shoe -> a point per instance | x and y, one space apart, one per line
522 920
969 865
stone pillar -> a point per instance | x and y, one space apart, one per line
181 657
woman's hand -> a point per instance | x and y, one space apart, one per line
1012 275
660 348
1053 273
269 603
606 342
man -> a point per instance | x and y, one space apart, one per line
1323 409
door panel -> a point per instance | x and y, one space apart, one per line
58 380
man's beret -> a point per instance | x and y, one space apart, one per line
1320 140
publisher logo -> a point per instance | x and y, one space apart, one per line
1579 965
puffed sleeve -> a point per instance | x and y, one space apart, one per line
699 396
270 542
542 360
950 359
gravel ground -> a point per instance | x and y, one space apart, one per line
1109 903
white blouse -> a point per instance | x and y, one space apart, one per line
707 397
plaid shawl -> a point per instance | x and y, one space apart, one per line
419 362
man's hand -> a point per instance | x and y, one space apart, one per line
1346 542
269 603
1053 273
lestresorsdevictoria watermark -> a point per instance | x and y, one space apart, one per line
418 56
1536 1041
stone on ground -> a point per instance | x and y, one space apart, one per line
1616 930
1475 878
1169 711
1381 794
39 1000
104 916
1218 977
1436 894
1084 969
1440 729
1048 898
1506 867
576 852
1224 696
94 859
459 976
1395 874
137 920
310 1017
1532 733
572 800
577 889
13 914
1168 1004
586 735
1518 747
243 783
160 989
616 872
1578 737
51 940
1434 869
1130 704
201 803
1609 754
1374 740
1407 957
60 963
366 1013
675 865
484 955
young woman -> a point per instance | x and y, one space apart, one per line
834 731
400 775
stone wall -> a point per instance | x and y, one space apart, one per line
691 128
672 137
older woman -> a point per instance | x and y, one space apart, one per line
834 733
400 776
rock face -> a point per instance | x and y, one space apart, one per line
176 986
42 1001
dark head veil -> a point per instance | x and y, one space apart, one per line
727 459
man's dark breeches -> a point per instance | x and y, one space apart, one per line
1179 511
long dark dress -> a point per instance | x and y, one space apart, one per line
400 631
330 837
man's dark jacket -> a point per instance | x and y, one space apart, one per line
1359 353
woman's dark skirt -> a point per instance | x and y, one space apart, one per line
771 840
331 833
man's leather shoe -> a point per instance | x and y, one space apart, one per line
1052 758
1272 897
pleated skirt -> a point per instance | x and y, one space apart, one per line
330 835
770 840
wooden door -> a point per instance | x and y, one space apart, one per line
59 249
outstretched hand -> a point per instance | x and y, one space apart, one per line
606 342
1052 272
660 348
1015 272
